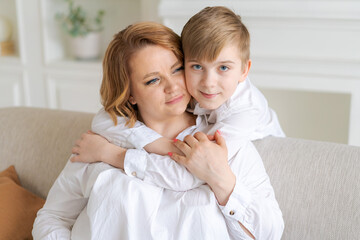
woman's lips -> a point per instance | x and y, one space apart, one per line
206 95
175 100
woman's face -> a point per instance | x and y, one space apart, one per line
157 84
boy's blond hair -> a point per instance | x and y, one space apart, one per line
115 86
208 31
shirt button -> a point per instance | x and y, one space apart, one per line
134 174
231 212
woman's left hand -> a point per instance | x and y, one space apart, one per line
208 161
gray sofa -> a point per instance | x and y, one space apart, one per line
316 183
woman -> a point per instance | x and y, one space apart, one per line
134 57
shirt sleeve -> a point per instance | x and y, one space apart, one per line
121 135
159 170
252 202
65 201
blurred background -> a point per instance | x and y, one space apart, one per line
306 55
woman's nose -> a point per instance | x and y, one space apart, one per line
171 84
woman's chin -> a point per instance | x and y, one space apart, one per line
179 110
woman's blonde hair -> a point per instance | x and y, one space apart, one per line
115 87
208 31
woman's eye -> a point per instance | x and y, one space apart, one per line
224 68
152 81
179 69
197 67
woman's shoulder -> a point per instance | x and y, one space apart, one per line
102 120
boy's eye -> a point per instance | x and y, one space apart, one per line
152 81
196 67
224 68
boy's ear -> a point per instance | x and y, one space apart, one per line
245 71
132 100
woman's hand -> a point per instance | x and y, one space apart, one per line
92 148
208 161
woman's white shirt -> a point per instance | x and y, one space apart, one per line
252 203
63 215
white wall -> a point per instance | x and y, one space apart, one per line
43 73
306 58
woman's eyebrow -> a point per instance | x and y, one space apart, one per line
157 73
151 74
175 64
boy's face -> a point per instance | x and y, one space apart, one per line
212 83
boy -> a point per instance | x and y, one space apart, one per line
216 47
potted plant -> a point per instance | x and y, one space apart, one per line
84 31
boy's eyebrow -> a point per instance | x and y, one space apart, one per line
157 73
225 61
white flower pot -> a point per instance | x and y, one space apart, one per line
86 47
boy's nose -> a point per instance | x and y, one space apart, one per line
209 79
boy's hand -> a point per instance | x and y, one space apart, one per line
92 148
89 148
162 146
208 161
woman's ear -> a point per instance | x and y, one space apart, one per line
132 100
245 71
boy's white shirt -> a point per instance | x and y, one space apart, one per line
245 116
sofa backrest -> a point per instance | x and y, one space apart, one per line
38 143
317 185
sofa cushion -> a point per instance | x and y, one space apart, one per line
18 207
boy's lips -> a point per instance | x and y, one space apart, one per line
208 95
175 100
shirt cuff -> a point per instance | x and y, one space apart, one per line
143 136
238 202
135 163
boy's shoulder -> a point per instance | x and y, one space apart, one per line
246 94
